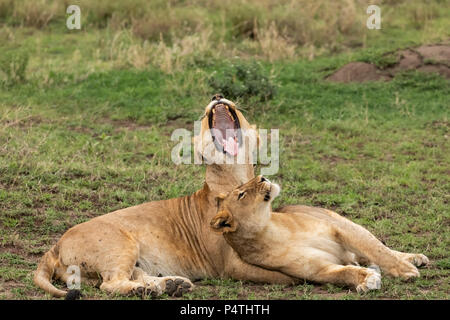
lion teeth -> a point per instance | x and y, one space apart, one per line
229 113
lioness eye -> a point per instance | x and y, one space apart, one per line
241 195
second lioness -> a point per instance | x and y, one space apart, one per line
323 248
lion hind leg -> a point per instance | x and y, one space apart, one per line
118 268
124 281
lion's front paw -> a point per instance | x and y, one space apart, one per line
419 260
177 286
404 269
371 282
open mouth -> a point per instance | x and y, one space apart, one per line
225 128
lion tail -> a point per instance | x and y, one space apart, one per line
44 274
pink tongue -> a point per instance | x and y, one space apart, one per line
230 146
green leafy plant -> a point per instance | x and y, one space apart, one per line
243 80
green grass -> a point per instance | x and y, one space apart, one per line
84 133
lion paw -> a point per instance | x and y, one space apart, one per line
371 282
177 286
143 292
419 260
405 270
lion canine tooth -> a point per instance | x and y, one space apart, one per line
229 113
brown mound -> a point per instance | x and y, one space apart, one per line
407 60
434 58
441 69
437 53
357 72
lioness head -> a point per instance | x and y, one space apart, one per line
224 124
224 130
247 204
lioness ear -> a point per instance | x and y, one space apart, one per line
223 222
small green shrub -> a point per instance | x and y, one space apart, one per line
380 58
243 80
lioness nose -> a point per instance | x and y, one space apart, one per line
217 97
